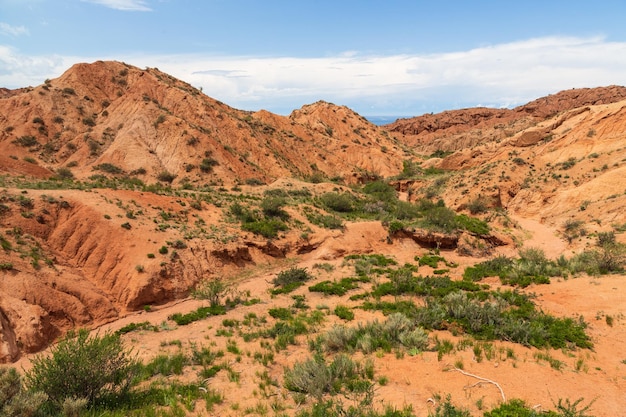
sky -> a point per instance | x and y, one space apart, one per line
380 58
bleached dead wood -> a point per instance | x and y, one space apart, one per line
485 380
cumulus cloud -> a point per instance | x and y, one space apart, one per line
125 5
502 75
18 70
7 29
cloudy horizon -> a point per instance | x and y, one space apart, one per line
500 74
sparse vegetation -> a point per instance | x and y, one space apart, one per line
27 141
224 229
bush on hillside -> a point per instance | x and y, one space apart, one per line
93 368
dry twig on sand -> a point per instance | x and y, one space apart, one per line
483 380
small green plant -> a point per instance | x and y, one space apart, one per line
159 120
280 313
344 312
478 205
109 168
6 266
343 203
65 173
166 176
27 141
567 408
199 314
207 165
89 121
131 327
335 287
447 409
267 228
290 279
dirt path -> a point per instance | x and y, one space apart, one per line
541 236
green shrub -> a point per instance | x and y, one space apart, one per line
213 290
472 224
273 207
89 121
26 141
344 312
165 365
179 244
404 210
65 173
290 279
430 260
440 218
477 205
159 120
207 165
491 268
315 377
343 203
199 314
381 191
447 409
6 266
327 221
280 313
79 366
334 287
109 168
397 331
266 228
131 327
395 226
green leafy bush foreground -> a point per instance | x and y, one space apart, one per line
95 369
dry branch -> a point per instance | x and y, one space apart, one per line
488 381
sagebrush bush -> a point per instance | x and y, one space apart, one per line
266 228
15 401
166 176
82 366
291 276
343 203
273 207
315 377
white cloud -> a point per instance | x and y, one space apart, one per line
22 71
125 5
500 75
7 29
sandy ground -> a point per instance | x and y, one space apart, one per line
514 371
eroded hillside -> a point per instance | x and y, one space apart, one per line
153 127
470 237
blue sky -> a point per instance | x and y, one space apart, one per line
398 58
